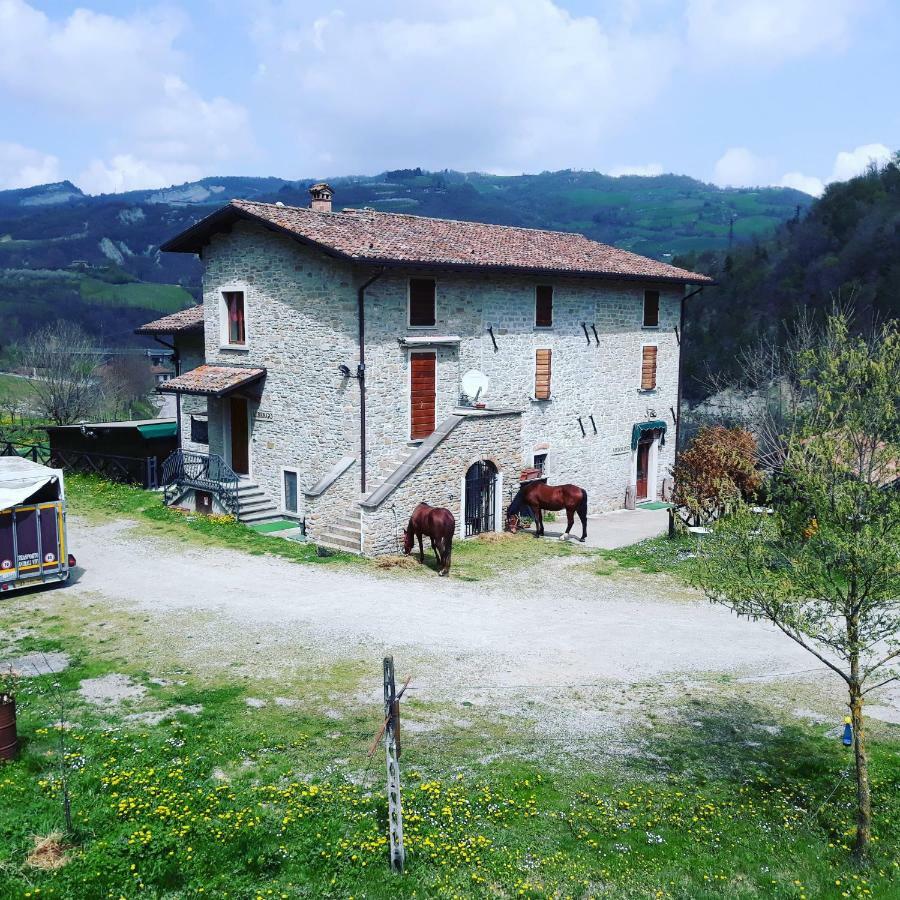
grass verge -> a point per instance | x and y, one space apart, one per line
662 554
224 800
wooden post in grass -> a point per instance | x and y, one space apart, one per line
392 755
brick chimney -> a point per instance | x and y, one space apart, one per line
321 195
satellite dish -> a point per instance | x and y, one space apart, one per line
474 384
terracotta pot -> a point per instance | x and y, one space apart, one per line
9 739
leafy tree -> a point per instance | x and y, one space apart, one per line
61 360
825 566
718 468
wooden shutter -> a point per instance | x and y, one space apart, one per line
542 374
543 305
651 309
648 369
422 391
421 302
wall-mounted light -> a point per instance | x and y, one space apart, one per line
344 370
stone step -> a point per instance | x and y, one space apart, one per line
259 515
348 522
350 532
338 543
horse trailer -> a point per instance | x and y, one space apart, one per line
33 542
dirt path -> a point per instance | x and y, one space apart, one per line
526 631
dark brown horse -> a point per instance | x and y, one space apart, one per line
539 496
438 524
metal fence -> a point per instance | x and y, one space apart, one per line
208 472
140 470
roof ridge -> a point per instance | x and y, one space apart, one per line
353 211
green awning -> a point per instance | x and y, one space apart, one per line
158 430
640 427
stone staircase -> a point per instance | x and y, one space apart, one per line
255 505
345 534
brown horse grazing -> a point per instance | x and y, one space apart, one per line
438 524
539 496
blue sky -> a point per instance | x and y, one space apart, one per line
122 95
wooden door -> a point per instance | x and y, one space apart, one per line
421 395
643 469
240 436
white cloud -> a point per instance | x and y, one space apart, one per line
847 164
122 74
850 163
809 184
23 166
740 167
461 83
758 32
647 171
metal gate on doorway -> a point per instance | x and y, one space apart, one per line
481 492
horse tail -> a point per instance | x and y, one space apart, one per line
582 504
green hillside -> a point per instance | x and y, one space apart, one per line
846 248
96 259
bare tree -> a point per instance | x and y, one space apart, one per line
61 361
125 386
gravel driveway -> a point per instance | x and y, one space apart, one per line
557 635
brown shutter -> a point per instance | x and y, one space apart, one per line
648 369
543 305
421 395
542 374
651 309
421 301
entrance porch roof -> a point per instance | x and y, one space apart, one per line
212 381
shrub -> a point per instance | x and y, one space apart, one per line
718 467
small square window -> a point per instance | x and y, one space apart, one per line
543 306
235 328
651 309
540 463
199 430
421 302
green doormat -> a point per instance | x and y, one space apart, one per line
655 504
269 527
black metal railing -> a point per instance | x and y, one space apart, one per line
35 452
188 469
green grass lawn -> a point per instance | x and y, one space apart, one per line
14 388
222 800
653 556
164 298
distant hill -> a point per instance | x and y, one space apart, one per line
95 259
846 248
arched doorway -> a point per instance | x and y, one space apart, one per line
481 497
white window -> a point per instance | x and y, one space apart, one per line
233 318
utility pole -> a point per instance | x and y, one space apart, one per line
392 756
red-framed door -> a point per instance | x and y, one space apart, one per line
643 468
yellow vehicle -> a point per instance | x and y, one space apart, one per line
33 543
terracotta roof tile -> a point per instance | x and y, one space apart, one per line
212 380
176 323
396 239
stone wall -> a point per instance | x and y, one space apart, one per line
302 323
438 480
191 353
587 379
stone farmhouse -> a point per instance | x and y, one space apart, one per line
324 376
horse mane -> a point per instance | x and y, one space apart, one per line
516 504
